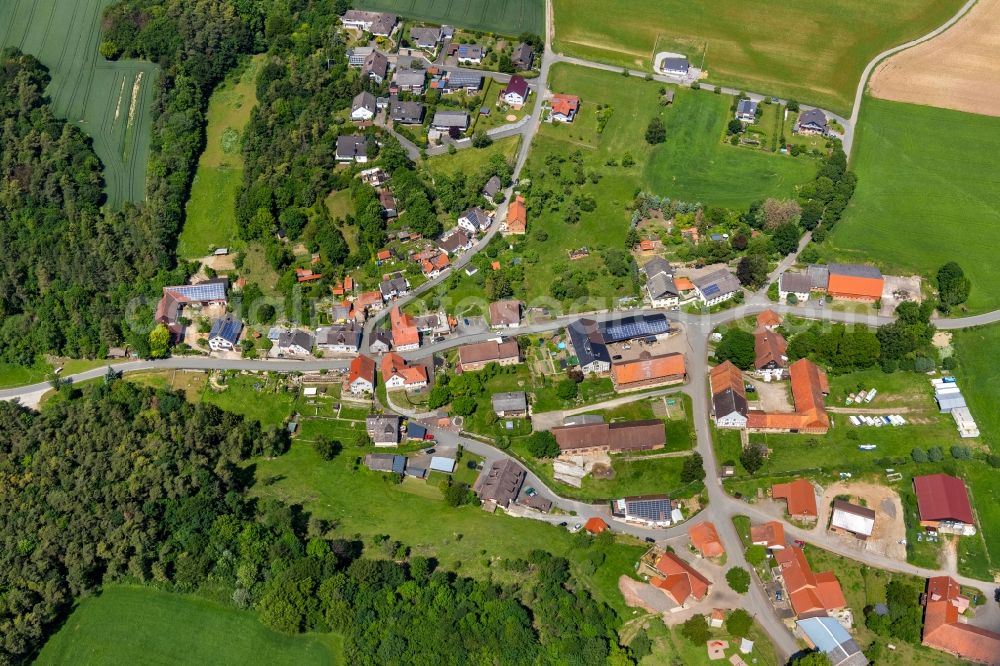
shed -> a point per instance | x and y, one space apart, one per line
443 464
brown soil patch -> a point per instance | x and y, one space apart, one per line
959 69
602 471
889 525
510 117
644 595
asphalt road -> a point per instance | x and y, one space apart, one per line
721 508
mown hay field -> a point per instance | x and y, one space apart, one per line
110 101
814 52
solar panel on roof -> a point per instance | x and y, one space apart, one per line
209 291
648 509
634 327
711 289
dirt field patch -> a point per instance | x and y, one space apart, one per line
889 526
959 69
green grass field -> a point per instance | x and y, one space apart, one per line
693 165
508 17
927 193
469 160
110 101
135 625
790 48
210 218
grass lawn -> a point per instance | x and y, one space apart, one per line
255 396
12 374
469 160
210 218
466 538
137 625
789 48
926 194
509 17
692 165
670 646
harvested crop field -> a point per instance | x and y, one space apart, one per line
110 101
958 70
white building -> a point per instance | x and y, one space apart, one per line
716 287
799 284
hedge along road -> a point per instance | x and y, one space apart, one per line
109 101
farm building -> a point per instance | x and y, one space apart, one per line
770 354
475 356
809 387
855 282
853 519
729 399
360 377
611 437
799 284
828 636
648 371
517 217
943 504
944 631
800 498
809 592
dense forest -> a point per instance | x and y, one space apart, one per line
124 483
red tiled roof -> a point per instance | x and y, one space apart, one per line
800 496
565 104
361 366
851 286
770 534
683 284
705 538
943 631
808 592
942 497
646 245
648 369
726 376
595 525
517 216
769 346
404 330
384 254
393 365
681 580
768 318
367 298
809 384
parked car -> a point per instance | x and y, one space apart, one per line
563 524
750 388
800 543
650 540
530 492
430 452
577 527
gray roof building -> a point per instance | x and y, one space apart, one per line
514 401
352 147
406 113
468 80
409 79
445 120
524 56
717 283
294 338
492 186
657 265
376 66
582 419
364 100
385 462
502 483
813 119
746 108
795 283
339 336
856 270
384 429
676 65
819 276
729 401
424 37
662 286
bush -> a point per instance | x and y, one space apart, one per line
693 469
738 579
919 456
935 454
923 364
542 444
737 346
695 629
949 362
656 132
756 555
567 389
961 453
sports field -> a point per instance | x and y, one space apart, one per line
110 101
135 625
811 51
210 219
927 193
507 17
